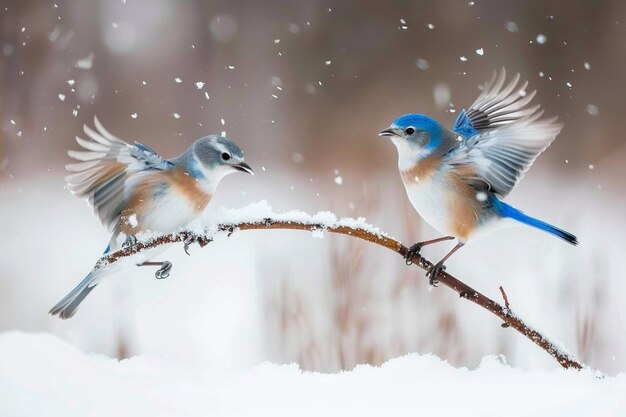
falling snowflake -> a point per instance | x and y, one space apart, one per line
592 109
297 157
511 26
85 63
422 64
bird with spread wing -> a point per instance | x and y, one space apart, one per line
456 179
132 189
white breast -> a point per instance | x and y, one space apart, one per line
431 200
169 213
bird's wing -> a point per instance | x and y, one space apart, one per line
503 133
103 166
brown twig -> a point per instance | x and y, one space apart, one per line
465 291
505 298
506 304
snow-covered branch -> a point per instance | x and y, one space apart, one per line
261 217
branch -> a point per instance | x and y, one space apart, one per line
358 229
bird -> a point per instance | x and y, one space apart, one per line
132 189
456 179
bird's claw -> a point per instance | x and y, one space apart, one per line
164 271
190 239
413 250
129 242
434 272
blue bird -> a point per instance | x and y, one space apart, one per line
132 190
456 179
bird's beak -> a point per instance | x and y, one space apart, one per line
244 168
387 132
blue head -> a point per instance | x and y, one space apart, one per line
417 130
415 135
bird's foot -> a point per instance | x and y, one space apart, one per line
434 272
164 271
129 242
413 250
189 240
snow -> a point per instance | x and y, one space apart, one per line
40 373
256 212
592 109
132 220
422 64
297 157
85 63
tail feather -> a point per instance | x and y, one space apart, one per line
66 308
508 211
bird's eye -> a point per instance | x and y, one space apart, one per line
409 130
225 156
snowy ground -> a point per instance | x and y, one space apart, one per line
43 375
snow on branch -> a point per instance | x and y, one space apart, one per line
259 216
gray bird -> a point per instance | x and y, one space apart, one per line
133 189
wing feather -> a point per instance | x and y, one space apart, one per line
503 133
105 164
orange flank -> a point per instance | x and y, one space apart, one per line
140 202
421 171
465 205
188 187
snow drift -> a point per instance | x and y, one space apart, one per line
43 375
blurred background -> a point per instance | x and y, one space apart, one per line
304 87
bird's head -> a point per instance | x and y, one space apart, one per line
217 156
415 136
